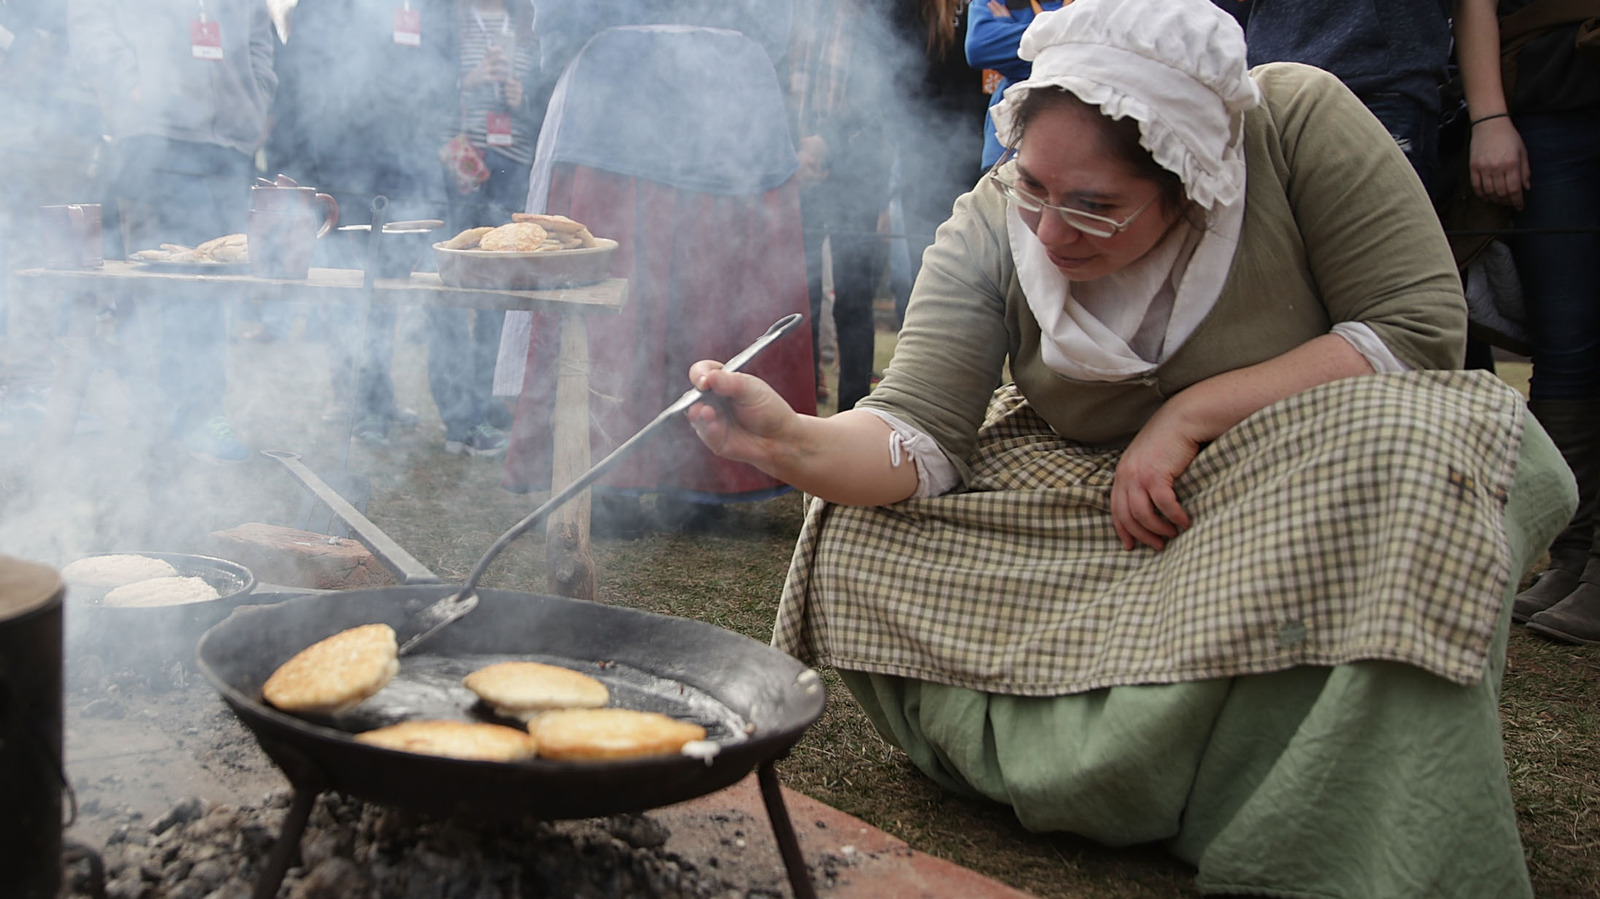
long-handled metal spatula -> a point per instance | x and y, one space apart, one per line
430 620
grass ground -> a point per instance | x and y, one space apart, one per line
446 510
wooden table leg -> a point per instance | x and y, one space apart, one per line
571 567
74 362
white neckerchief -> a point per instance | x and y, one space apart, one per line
1125 324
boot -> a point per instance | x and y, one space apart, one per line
1558 580
1575 619
1574 425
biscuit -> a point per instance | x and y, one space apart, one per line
115 570
230 253
592 734
161 591
467 239
571 234
521 237
228 248
226 240
555 224
455 739
526 689
336 674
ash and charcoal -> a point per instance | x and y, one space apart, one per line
141 736
353 850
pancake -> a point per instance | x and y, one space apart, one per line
467 239
554 223
336 674
523 237
564 232
455 739
596 734
526 689
115 570
230 248
161 591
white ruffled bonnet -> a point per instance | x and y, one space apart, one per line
1177 67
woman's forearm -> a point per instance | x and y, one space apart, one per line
1207 409
843 459
1477 33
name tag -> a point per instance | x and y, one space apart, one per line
498 129
205 39
408 27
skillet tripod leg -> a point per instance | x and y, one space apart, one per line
783 830
288 845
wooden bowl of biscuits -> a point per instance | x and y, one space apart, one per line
533 252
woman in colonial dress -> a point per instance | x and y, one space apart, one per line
1226 560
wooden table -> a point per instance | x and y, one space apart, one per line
571 568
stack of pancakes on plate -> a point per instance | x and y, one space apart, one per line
527 233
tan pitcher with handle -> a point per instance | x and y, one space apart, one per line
286 221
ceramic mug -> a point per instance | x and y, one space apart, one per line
285 225
69 236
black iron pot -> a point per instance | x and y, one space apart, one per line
31 771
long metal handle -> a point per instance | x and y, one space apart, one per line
390 553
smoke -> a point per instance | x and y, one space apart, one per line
356 110
357 107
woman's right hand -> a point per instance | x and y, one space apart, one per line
749 420
493 68
1499 162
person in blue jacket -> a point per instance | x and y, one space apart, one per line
994 29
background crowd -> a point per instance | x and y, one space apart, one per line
796 126
737 148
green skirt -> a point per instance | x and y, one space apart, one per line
1370 779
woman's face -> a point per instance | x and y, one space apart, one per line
1063 160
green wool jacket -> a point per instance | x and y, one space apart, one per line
1337 227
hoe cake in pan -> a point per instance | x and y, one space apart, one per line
115 570
161 591
597 734
455 739
525 690
336 674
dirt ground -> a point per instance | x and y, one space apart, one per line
119 487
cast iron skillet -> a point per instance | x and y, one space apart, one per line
755 701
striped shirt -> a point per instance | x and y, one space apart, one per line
478 32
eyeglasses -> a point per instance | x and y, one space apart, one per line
1087 222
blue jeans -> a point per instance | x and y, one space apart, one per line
1414 128
462 346
184 192
463 343
1560 273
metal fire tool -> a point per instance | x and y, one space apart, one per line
430 620
393 556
